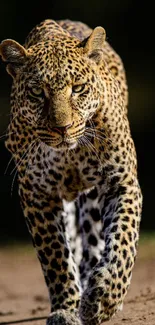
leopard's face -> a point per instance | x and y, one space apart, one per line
57 93
57 89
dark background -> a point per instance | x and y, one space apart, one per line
130 30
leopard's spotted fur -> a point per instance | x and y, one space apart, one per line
77 169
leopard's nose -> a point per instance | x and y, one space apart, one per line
62 129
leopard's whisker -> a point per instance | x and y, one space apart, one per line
8 165
12 184
23 156
14 116
19 164
92 126
6 135
100 133
93 149
32 147
43 146
83 141
95 136
96 131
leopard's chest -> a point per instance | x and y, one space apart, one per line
79 179
67 174
81 173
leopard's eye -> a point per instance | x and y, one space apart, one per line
78 88
36 92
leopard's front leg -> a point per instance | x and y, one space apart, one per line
46 224
110 278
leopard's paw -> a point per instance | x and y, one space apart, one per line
63 317
101 300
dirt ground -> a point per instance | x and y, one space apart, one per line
23 293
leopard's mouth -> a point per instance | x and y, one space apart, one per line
61 137
59 142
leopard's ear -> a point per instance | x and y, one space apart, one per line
93 45
14 55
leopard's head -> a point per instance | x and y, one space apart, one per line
57 85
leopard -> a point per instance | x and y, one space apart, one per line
70 138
